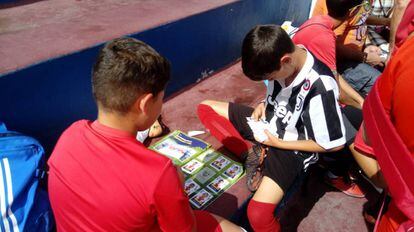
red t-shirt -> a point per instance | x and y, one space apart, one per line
102 179
395 86
406 25
317 35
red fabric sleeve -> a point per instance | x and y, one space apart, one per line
171 203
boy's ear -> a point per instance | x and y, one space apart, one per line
286 59
144 101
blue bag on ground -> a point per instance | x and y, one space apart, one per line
24 206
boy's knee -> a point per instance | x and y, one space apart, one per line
207 102
203 109
206 107
255 215
261 216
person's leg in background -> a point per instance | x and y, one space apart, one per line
360 76
342 171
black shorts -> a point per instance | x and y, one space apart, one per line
352 118
282 166
237 117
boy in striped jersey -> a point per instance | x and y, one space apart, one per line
300 106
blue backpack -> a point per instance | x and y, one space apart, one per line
24 206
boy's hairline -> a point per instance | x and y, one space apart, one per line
101 107
276 69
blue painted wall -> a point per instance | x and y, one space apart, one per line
44 99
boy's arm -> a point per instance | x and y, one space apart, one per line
171 203
396 17
300 145
346 53
322 118
373 20
348 95
370 167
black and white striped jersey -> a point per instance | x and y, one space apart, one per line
308 108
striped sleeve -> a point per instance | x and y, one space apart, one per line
323 120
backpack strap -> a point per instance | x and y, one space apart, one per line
381 211
395 160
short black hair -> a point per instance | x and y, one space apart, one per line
339 9
125 69
262 49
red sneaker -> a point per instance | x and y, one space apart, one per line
351 189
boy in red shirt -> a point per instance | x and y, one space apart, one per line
356 63
318 35
101 178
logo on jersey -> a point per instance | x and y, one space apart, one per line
306 85
282 112
299 103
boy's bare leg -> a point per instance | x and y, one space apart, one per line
268 192
222 108
369 166
155 129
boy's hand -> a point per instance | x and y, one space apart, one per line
259 112
271 140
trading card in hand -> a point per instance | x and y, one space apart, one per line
192 166
204 175
258 128
218 185
201 198
190 186
208 155
233 171
220 163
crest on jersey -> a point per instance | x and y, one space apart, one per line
306 85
